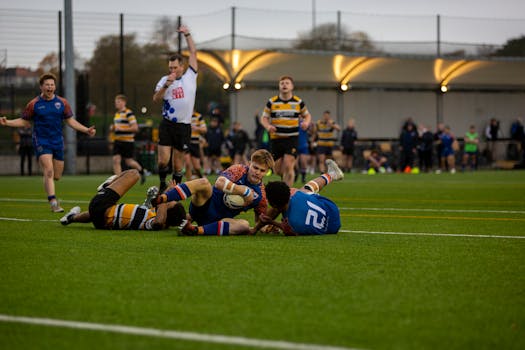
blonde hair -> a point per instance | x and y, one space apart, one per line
262 156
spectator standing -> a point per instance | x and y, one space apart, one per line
25 149
177 92
517 133
348 140
492 134
281 118
425 149
48 112
407 147
125 127
437 141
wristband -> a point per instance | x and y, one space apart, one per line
187 34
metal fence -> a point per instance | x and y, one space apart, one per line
27 37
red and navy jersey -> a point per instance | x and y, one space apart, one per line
215 209
47 117
238 174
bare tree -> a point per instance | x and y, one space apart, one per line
327 37
165 31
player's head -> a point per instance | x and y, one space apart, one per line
47 84
47 76
260 162
286 84
176 64
120 101
175 215
277 194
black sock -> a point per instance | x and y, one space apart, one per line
177 177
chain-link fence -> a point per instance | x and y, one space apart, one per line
27 37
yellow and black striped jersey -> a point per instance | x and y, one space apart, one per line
130 217
326 133
122 122
285 115
197 120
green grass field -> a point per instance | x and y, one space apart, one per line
422 262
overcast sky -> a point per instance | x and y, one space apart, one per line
462 8
391 21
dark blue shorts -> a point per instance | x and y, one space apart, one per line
56 151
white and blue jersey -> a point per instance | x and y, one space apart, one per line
179 98
311 214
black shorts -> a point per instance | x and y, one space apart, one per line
280 147
213 151
195 150
125 149
326 150
99 204
349 151
176 135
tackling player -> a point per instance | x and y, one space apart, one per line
106 214
304 211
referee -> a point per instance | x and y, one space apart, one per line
177 93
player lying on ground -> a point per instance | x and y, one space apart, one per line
105 213
210 206
304 211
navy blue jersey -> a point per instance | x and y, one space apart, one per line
47 117
311 214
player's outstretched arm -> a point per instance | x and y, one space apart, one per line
73 123
14 123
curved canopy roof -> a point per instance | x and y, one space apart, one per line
259 68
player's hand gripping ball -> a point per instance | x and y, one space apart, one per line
233 201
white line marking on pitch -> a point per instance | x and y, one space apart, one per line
30 200
27 220
431 234
440 210
342 208
152 332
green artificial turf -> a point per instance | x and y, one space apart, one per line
412 268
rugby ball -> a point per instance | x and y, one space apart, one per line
233 201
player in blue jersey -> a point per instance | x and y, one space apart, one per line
208 207
48 112
304 211
448 159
